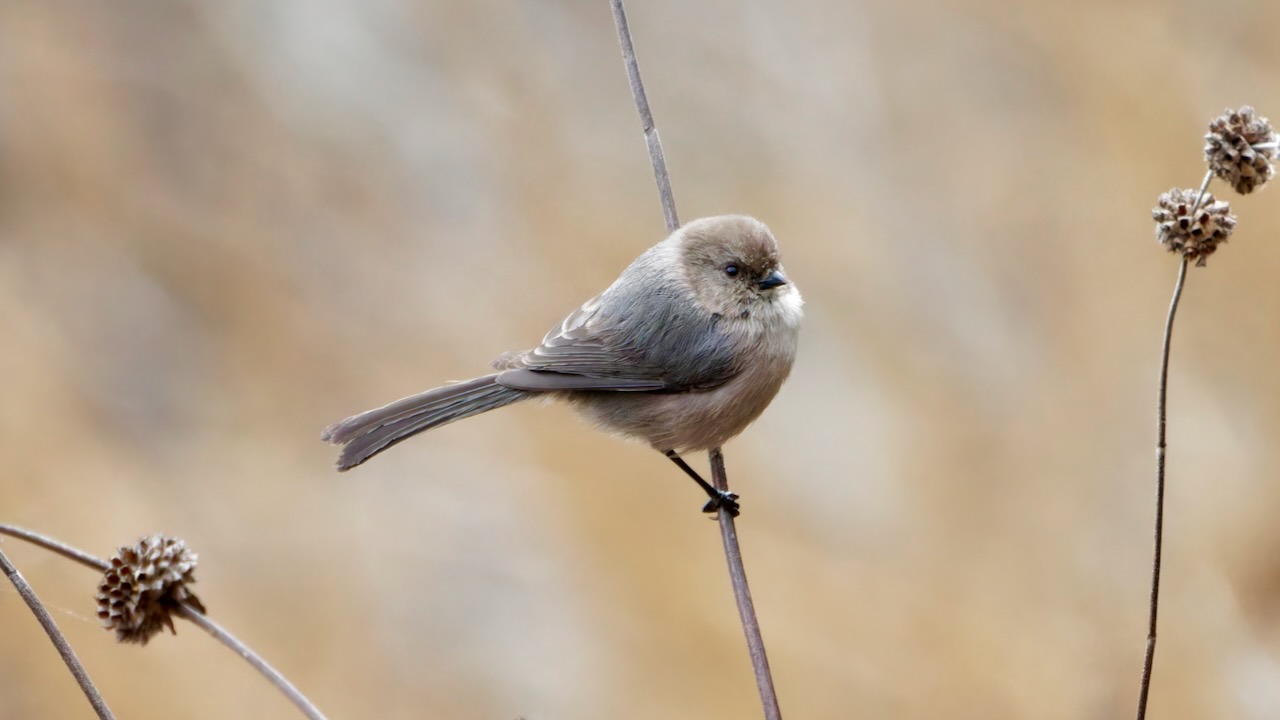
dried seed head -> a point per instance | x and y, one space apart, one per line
1240 148
1195 236
144 584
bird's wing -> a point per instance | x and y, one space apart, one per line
599 348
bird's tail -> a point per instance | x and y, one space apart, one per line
369 433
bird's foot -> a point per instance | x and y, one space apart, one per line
722 499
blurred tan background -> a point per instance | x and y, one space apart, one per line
224 225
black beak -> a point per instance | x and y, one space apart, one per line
772 280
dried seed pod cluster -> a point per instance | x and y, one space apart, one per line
144 585
1240 148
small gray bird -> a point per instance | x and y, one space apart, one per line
683 351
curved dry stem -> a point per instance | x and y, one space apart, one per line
271 674
728 531
59 640
1162 392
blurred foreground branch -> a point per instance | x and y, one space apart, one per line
56 636
185 607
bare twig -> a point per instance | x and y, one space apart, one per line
184 610
56 636
728 531
742 594
1162 392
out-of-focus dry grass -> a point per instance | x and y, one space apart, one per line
224 225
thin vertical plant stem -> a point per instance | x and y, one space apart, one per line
1149 656
728 530
742 595
59 640
651 139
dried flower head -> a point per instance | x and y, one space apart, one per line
1240 148
143 586
1194 235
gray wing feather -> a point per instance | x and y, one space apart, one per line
546 381
623 340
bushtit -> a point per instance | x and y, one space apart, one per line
683 351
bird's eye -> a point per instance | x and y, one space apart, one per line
730 270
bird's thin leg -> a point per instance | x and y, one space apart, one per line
719 499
